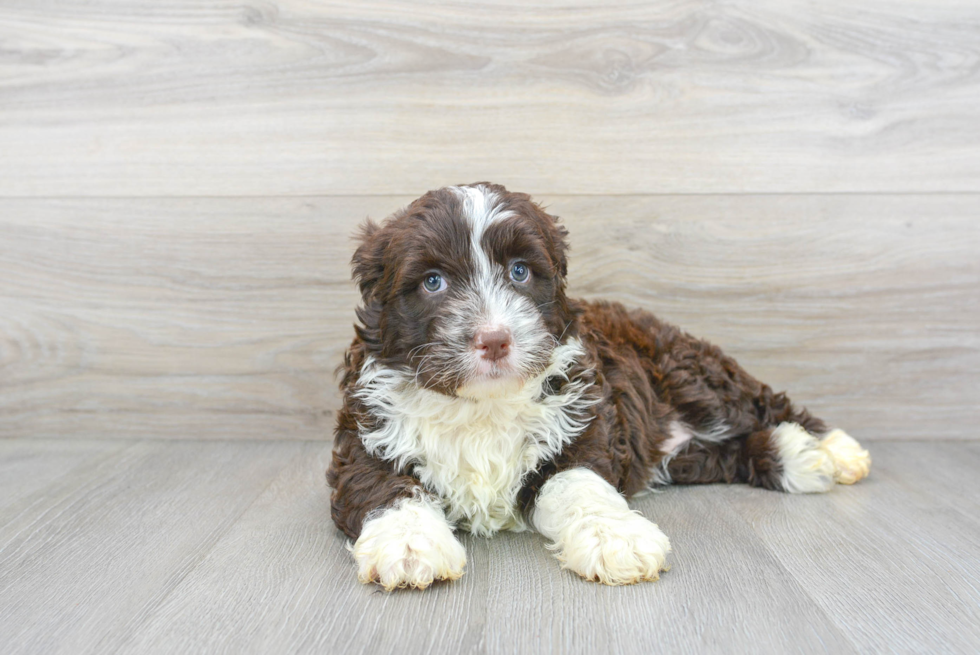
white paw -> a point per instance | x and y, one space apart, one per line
594 532
852 462
807 468
409 545
615 550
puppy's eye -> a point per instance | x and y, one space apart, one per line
434 283
519 272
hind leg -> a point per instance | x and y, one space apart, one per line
784 458
730 427
789 458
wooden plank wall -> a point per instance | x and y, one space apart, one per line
798 182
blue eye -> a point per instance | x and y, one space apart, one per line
433 283
519 272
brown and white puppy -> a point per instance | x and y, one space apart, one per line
478 396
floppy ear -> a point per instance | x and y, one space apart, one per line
367 264
560 315
558 238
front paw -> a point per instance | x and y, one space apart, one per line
409 545
615 550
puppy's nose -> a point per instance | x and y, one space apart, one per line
493 344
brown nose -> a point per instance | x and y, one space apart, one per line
493 344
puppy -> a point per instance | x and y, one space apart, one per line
478 396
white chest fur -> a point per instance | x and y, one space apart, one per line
473 453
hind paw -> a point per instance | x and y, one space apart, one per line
852 462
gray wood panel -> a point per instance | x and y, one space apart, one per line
945 473
287 585
722 594
225 318
227 547
27 466
891 560
225 98
83 558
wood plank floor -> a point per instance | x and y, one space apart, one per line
227 547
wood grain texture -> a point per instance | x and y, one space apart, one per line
226 547
225 318
84 557
936 474
798 182
722 593
295 97
287 585
892 560
28 466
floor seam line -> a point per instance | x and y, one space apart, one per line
796 581
197 561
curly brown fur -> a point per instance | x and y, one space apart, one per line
639 401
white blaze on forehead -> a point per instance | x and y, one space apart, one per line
480 209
